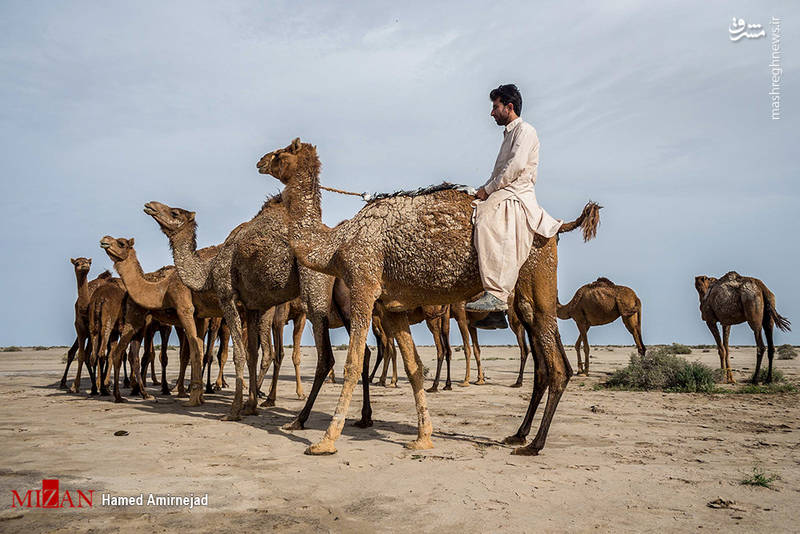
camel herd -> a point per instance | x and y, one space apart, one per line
404 258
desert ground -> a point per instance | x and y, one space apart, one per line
615 460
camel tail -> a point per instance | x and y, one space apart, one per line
770 309
588 221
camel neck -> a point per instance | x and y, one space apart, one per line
192 270
83 287
149 295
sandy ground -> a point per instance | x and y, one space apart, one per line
637 461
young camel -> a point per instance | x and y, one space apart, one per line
598 303
105 318
735 299
256 268
167 294
408 250
85 291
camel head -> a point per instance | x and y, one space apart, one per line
285 163
702 283
82 265
117 248
171 220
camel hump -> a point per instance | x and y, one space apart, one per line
105 275
602 281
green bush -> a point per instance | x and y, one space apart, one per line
677 348
786 352
777 376
663 370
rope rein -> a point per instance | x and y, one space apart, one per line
341 191
367 197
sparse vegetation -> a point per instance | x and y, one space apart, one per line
39 347
759 478
341 347
663 370
677 348
12 348
786 352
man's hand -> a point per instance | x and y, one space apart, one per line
480 194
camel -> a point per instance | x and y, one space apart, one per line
148 358
406 250
168 294
598 303
735 299
255 267
105 324
85 291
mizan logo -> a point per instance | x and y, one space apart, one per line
50 497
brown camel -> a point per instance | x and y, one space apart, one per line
105 323
598 303
735 299
411 249
256 267
167 294
85 291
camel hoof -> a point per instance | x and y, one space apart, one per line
294 425
120 400
166 391
331 381
447 387
269 403
514 440
362 423
419 444
321 448
464 384
93 393
432 389
250 409
104 392
209 389
217 388
126 383
149 397
301 396
393 385
481 381
260 394
525 451
231 417
382 383
62 385
516 385
73 389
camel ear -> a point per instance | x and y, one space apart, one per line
296 145
191 215
90 261
130 242
72 261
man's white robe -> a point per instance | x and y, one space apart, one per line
507 221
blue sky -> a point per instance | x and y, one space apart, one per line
649 109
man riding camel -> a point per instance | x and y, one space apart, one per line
507 215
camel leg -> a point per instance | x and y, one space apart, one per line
149 353
476 347
522 343
634 326
398 324
70 356
325 361
393 383
191 326
380 344
266 325
208 354
759 351
277 336
183 355
459 315
585 337
434 325
253 342
297 338
712 326
448 350
164 332
361 311
83 336
234 323
726 332
768 329
386 361
222 357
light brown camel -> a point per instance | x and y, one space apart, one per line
598 303
735 299
167 294
256 268
408 250
105 324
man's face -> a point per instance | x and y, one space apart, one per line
501 112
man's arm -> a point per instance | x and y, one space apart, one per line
521 148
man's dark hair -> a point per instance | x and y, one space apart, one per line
508 94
